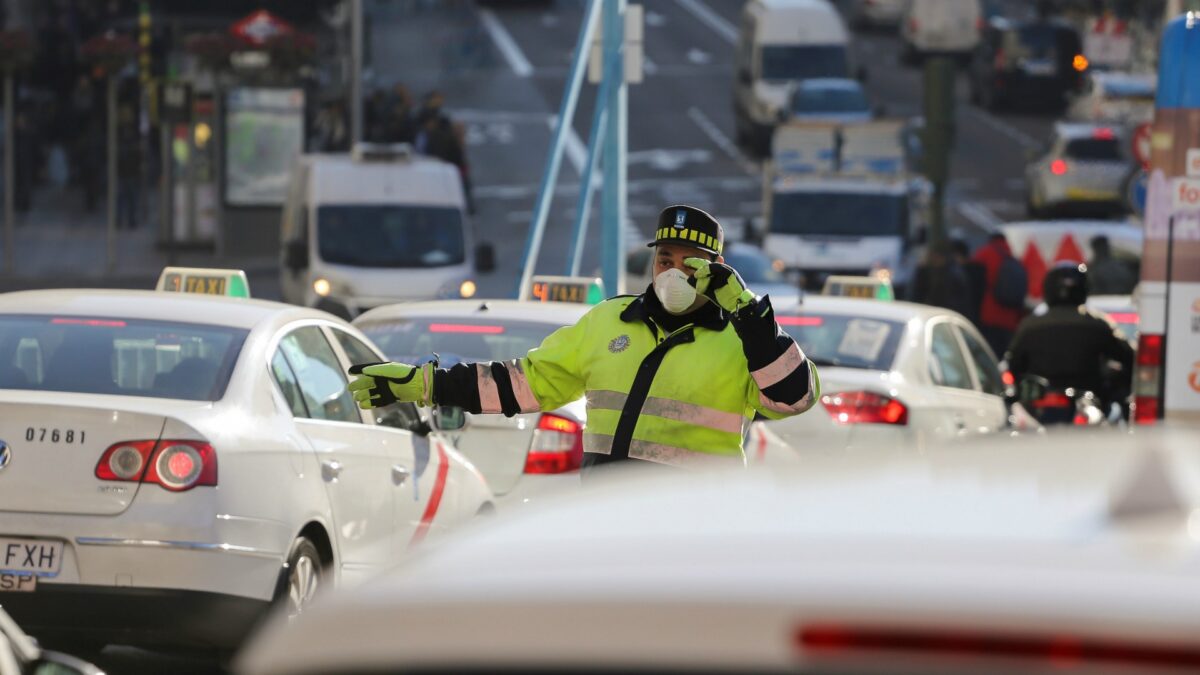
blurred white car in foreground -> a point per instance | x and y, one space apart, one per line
1025 557
520 456
893 374
21 655
172 464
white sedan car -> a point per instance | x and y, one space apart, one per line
1035 556
893 375
173 464
521 456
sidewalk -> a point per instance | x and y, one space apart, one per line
57 244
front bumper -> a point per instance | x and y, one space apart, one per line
150 617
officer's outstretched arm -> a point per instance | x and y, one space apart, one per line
546 378
785 381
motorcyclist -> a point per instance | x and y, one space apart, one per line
1068 345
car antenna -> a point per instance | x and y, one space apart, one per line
483 307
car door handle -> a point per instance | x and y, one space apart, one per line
331 469
400 474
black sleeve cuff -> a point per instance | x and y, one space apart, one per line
457 386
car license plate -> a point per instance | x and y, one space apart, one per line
1083 194
1038 67
42 557
17 583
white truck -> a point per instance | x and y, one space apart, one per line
842 200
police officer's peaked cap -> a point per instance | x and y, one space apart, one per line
689 226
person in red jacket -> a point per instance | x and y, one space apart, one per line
997 322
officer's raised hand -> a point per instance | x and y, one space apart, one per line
378 384
721 284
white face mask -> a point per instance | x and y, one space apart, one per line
674 291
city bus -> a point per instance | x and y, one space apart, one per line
1167 379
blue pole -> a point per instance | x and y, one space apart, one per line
613 205
584 207
566 113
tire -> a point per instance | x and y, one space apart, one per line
302 579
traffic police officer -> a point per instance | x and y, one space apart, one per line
671 376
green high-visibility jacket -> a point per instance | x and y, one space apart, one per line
681 398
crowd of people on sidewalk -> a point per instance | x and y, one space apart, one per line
391 117
990 285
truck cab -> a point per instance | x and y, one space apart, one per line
376 226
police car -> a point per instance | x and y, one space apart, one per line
1029 557
521 456
893 374
174 463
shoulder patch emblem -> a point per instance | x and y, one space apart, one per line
618 344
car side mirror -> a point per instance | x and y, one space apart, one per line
448 418
485 258
295 255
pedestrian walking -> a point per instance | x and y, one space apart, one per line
942 282
1006 285
1107 275
671 376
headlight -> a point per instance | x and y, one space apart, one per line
467 289
322 287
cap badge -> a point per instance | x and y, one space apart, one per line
680 218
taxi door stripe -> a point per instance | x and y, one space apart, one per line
435 497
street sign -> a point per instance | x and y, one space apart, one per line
175 101
259 27
634 59
1142 145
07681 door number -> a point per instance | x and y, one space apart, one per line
47 435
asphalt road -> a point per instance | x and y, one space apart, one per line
503 67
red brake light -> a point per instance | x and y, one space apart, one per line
1059 167
1007 378
864 407
1103 134
1053 399
175 465
557 446
1147 380
799 320
67 321
465 328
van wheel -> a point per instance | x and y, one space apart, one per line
304 577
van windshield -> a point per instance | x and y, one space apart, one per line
796 62
839 213
367 235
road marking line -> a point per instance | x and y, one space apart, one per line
710 18
1006 129
980 215
719 139
505 43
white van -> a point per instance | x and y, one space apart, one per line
940 27
379 225
782 42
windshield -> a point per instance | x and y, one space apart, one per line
808 100
845 341
390 235
90 355
839 213
790 62
455 340
754 267
1094 149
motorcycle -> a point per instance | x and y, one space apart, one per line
1051 405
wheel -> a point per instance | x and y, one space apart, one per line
304 576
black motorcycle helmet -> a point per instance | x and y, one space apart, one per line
1066 285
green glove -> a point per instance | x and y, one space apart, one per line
721 284
380 384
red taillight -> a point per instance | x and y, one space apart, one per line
799 320
1147 381
864 407
1103 134
1007 378
175 465
67 321
557 445
465 328
1061 650
1053 399
1059 167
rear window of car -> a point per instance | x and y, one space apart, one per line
1095 149
455 340
125 357
845 341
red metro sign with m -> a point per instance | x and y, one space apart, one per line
260 27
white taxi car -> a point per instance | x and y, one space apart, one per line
893 374
521 456
1051 555
172 464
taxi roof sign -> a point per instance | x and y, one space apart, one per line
867 288
584 290
205 281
